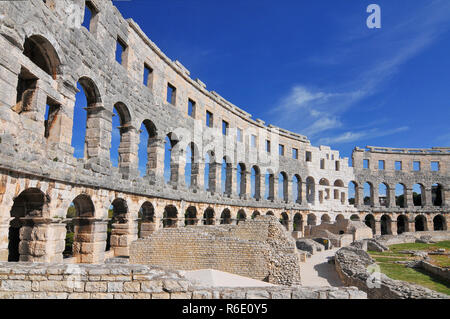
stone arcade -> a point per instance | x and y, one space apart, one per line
45 52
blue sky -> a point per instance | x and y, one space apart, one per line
314 67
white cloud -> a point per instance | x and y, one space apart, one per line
348 137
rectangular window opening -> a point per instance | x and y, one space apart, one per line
308 156
191 108
209 119
90 15
398 165
239 135
281 149
295 153
51 110
416 166
253 141
381 165
148 76
267 146
366 163
171 94
225 127
121 48
435 166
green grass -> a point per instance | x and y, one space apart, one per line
420 246
415 276
387 260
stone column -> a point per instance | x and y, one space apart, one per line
377 227
408 198
177 165
214 177
259 187
426 196
121 237
273 186
359 196
246 185
411 224
155 163
391 197
286 191
197 177
128 152
89 240
98 135
375 198
231 185
304 199
394 227
41 240
4 238
446 196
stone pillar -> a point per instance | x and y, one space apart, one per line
446 196
89 240
147 229
155 163
259 187
128 152
411 224
180 221
177 165
375 198
426 196
121 237
377 227
231 185
304 199
429 226
408 198
391 197
197 177
286 193
98 135
359 196
41 240
214 177
394 227
273 187
4 238
246 185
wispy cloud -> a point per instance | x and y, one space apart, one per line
318 112
348 137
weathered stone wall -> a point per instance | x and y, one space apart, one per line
259 249
353 263
115 281
441 272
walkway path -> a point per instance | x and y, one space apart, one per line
316 271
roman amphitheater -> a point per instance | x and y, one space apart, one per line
46 53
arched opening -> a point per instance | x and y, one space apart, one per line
284 220
255 214
310 190
78 225
147 133
209 217
120 135
383 195
241 216
418 195
170 217
352 193
270 213
85 105
297 189
437 194
420 223
325 219
283 187
117 214
190 216
368 194
256 182
298 222
369 220
386 225
439 223
146 220
402 224
29 203
311 220
340 217
354 217
225 217
42 53
400 198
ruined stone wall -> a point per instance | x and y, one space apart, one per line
115 281
352 267
259 249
